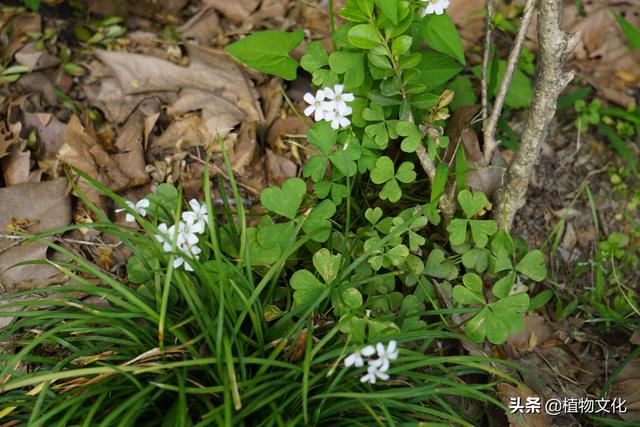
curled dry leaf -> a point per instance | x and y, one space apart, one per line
203 27
21 24
37 207
238 11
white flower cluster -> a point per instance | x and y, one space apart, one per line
377 368
330 105
435 6
140 206
191 225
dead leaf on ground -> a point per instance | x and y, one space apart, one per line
39 83
279 168
627 387
535 331
203 27
22 24
40 207
238 11
34 58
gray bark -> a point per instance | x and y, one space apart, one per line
554 46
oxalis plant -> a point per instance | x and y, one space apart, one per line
342 305
379 113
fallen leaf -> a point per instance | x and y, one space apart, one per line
238 10
21 24
130 156
34 58
44 206
39 83
627 387
203 27
535 331
279 168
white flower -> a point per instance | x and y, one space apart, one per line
338 119
316 105
197 216
193 251
164 237
435 6
140 207
385 355
373 373
355 358
338 100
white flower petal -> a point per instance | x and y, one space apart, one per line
348 97
309 98
130 218
309 111
338 89
368 351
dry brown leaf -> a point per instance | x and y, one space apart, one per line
49 130
35 59
238 10
245 148
21 25
43 206
39 83
468 16
16 167
130 156
76 152
627 387
145 8
279 168
203 27
535 332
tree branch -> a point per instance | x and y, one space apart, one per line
490 142
484 87
551 78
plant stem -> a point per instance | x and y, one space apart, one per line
490 125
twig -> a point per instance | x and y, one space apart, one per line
426 162
485 60
491 124
551 78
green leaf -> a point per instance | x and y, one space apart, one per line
327 265
34 5
401 45
463 92
520 92
477 259
373 215
503 286
436 69
632 33
317 225
471 203
481 230
285 201
391 191
345 159
315 57
412 134
268 52
532 266
137 271
473 282
389 8
383 171
439 182
364 36
351 64
516 303
457 229
397 255
539 300
323 137
436 266
352 298
619 145
307 289
406 173
441 34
